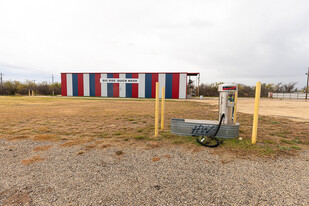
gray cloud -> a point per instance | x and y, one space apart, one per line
231 41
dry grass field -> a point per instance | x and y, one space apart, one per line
98 123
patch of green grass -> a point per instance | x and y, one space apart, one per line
282 135
117 133
165 134
265 150
295 147
275 122
140 130
181 139
246 145
139 137
286 141
297 141
130 120
134 122
284 148
268 141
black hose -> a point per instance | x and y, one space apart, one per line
213 137
222 116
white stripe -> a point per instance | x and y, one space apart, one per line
69 85
122 86
182 86
86 85
103 86
161 84
141 85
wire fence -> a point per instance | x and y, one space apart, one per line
286 95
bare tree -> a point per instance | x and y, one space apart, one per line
289 87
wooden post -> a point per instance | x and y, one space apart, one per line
162 108
157 110
256 112
307 83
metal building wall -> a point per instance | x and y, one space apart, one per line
89 84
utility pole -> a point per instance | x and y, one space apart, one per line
307 83
1 83
53 92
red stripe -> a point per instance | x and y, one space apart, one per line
80 78
155 78
175 88
116 86
135 86
64 84
97 85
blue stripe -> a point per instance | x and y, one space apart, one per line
168 85
148 81
75 84
110 87
92 84
128 86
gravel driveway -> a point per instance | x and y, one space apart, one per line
160 176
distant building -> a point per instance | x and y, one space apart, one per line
136 85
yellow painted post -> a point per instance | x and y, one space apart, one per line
53 93
256 111
32 93
162 108
157 110
29 92
235 107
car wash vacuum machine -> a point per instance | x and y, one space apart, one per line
208 131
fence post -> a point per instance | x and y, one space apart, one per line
256 111
157 110
162 108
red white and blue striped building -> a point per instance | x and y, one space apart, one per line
138 85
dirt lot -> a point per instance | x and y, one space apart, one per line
93 151
297 110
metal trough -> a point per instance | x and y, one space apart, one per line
189 127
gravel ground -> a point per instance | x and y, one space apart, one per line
177 177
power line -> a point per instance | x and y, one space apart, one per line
307 83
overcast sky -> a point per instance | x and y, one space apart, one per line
241 41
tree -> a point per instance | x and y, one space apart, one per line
289 87
11 87
43 88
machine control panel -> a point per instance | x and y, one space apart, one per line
231 99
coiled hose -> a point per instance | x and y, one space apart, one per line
211 141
